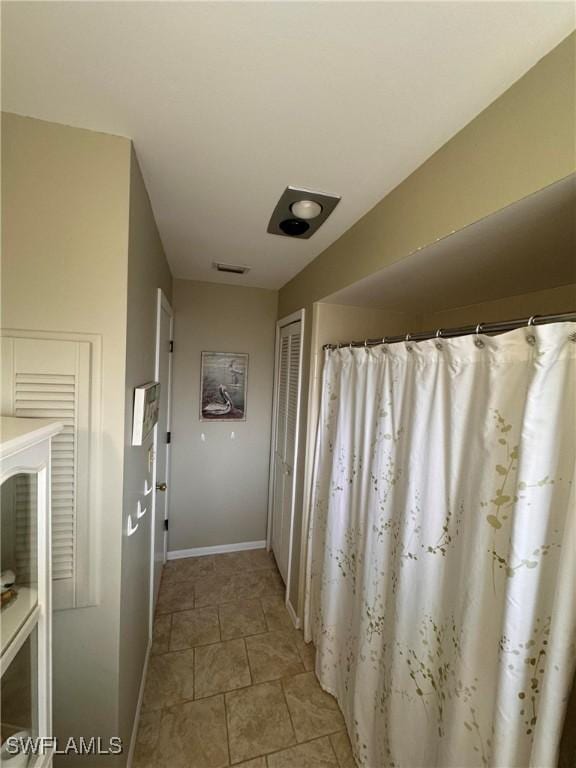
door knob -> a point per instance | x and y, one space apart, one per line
161 486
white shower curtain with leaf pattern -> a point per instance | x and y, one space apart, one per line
441 591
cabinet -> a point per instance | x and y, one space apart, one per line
25 562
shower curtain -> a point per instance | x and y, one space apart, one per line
441 590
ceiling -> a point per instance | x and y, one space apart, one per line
525 247
228 103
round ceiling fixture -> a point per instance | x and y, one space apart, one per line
294 227
306 209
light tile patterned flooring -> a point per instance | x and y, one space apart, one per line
230 681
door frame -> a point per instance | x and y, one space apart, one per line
299 315
162 303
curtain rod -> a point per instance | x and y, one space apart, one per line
465 330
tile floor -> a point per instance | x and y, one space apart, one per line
230 681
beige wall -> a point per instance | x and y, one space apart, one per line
219 487
81 253
65 199
147 271
545 302
336 323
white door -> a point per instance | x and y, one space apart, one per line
285 442
162 442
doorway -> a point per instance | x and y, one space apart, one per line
284 454
163 374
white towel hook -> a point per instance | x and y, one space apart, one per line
131 529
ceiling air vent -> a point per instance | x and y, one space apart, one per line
232 269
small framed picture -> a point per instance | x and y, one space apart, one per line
146 407
223 386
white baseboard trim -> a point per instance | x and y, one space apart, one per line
219 549
292 612
134 735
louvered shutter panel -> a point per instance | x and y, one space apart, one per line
282 396
50 379
292 398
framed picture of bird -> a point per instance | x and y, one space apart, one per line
223 386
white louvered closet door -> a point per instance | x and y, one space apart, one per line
287 410
50 379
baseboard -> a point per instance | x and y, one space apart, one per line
219 549
134 735
292 612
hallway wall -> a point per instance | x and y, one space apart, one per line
81 254
219 485
147 271
65 198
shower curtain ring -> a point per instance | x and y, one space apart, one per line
478 341
530 338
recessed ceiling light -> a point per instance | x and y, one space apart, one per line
300 212
306 209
